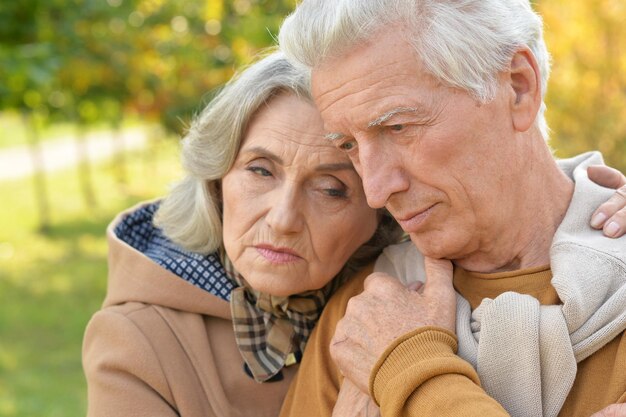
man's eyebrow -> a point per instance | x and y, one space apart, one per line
388 115
258 150
376 122
333 136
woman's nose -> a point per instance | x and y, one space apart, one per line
285 212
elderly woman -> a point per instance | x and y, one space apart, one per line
223 292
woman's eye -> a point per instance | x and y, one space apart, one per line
329 186
335 192
260 171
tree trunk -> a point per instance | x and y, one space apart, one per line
84 168
39 176
119 154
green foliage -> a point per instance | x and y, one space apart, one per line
95 60
51 283
99 61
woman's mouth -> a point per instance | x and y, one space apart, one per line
279 255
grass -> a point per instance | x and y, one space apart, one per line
52 282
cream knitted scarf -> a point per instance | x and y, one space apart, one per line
526 354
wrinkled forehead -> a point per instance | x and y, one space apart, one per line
290 127
366 84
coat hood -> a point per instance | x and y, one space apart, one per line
145 266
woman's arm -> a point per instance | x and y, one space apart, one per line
124 376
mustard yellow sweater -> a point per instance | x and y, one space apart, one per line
421 374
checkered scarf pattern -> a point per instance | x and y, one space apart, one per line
268 329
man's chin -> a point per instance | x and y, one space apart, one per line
432 246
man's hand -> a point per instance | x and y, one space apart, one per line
613 410
352 402
386 310
610 216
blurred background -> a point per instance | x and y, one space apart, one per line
94 96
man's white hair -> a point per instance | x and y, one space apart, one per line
462 43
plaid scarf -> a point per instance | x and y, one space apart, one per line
271 331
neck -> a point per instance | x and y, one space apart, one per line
535 208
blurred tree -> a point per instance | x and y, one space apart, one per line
93 60
102 60
27 69
587 91
89 61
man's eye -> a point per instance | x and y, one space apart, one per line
397 127
261 171
347 146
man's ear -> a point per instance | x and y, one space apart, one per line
525 82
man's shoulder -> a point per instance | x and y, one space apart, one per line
353 286
402 261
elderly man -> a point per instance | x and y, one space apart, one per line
439 105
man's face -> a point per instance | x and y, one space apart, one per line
440 162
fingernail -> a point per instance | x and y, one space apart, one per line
598 219
611 229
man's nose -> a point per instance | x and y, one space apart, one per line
382 173
285 212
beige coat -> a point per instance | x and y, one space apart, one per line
161 346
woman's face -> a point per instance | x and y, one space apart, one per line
294 208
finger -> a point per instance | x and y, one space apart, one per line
439 293
615 226
438 277
416 286
613 410
379 278
611 215
606 176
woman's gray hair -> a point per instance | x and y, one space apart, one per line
462 43
190 214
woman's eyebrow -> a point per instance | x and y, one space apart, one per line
258 150
339 166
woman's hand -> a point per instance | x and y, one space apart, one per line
613 410
610 216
